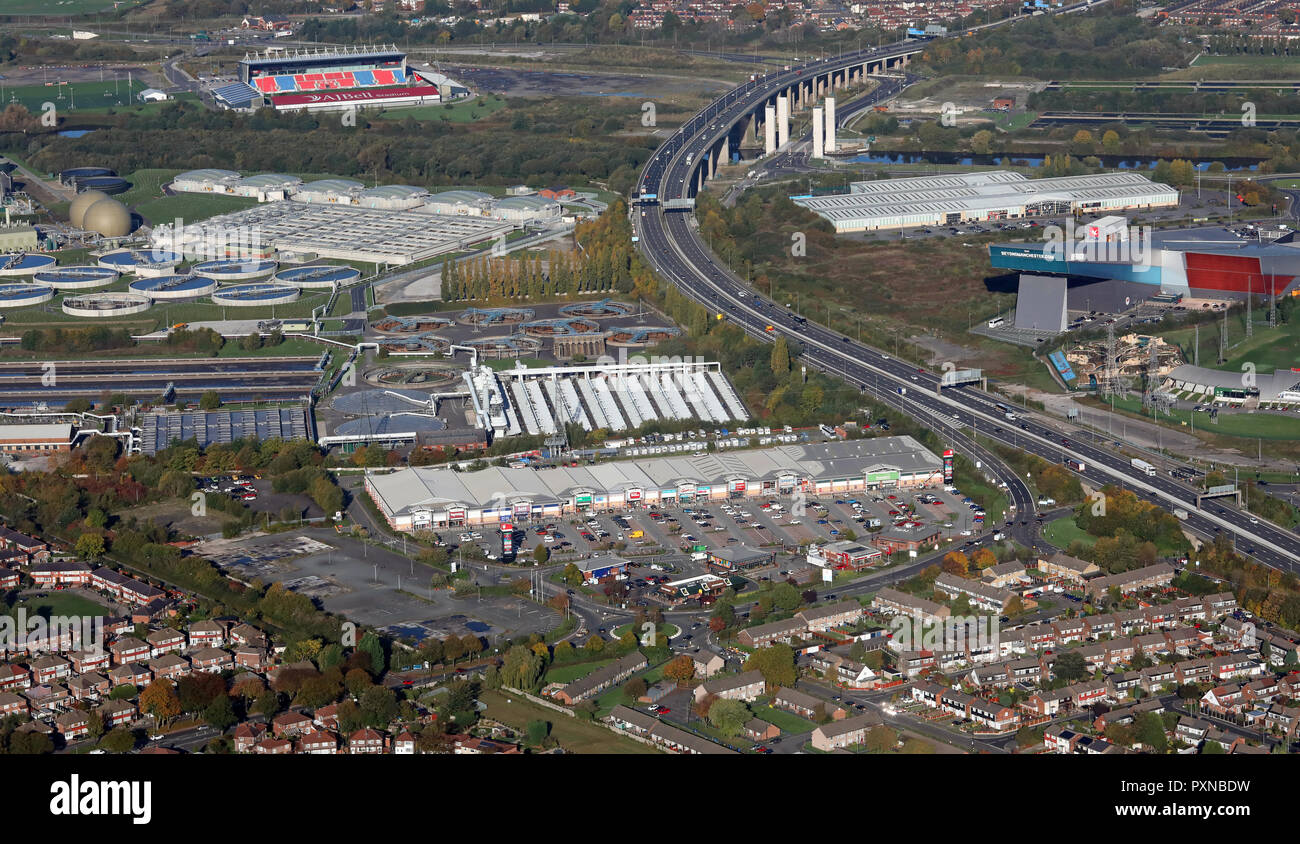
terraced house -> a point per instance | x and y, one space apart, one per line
841 734
601 679
747 687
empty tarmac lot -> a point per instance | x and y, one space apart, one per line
363 584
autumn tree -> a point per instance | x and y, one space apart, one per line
776 664
955 562
680 670
159 699
983 558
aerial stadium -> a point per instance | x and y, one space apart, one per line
334 79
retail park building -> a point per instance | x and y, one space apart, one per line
429 497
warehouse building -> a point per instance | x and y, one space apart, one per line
962 198
427 498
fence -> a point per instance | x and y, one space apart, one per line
539 701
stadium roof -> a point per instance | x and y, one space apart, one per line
432 487
326 54
236 94
207 174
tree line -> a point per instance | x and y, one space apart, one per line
525 276
570 140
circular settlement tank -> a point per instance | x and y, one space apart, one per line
255 295
141 261
173 287
96 305
20 263
76 278
318 275
24 295
235 269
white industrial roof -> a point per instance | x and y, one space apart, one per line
433 487
470 196
891 198
207 174
57 432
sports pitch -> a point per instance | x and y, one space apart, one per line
72 96
62 8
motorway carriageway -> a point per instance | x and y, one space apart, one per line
674 249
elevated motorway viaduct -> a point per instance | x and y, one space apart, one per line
668 240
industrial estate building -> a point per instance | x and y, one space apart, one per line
346 232
520 207
980 197
426 498
342 218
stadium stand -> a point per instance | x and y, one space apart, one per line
347 72
236 95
